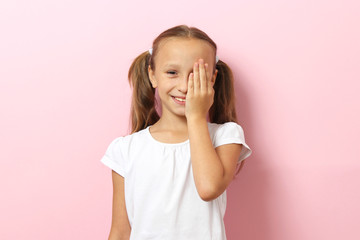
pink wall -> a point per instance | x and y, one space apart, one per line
64 96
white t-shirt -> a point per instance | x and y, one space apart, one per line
161 198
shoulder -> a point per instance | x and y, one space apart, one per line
127 139
229 132
215 127
123 145
136 136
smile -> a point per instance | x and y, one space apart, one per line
179 100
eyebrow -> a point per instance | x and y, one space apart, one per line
171 65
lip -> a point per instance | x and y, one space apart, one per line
177 101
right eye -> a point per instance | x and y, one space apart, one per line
171 72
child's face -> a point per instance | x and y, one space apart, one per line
174 62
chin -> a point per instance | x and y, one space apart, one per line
180 113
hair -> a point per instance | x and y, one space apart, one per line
143 111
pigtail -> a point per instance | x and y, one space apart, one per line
223 108
143 112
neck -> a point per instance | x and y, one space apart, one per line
172 123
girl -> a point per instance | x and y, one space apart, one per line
171 173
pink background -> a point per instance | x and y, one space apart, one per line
64 96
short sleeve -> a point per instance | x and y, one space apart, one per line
113 157
232 132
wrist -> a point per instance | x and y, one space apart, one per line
196 120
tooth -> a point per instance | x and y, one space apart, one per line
180 99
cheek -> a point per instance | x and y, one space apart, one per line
165 84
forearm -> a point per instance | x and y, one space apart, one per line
207 168
118 236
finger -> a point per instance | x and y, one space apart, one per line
190 91
208 77
196 78
202 74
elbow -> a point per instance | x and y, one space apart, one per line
115 235
210 194
207 198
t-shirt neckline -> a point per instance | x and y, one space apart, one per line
163 143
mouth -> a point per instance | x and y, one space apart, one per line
179 100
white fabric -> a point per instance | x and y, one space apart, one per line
161 199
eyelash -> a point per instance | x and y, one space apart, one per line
171 72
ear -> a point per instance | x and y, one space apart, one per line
152 77
214 77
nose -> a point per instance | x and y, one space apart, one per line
182 84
